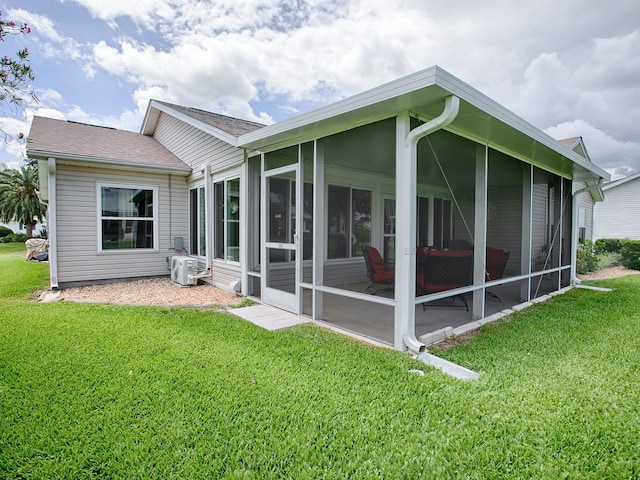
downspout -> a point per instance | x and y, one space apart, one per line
449 113
52 225
574 229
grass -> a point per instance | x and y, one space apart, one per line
19 278
99 391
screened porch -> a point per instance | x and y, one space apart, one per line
326 200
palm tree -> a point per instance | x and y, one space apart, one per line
19 199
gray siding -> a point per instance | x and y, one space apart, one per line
342 273
195 147
619 215
222 274
539 224
78 257
505 230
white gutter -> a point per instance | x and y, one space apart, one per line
574 228
449 113
91 161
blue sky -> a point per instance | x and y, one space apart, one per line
571 68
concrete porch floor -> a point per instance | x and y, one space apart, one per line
375 321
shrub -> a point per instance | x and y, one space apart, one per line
630 254
4 231
613 245
14 238
586 259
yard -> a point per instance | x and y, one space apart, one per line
103 391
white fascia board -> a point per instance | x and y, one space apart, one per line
391 94
621 181
150 120
216 132
84 161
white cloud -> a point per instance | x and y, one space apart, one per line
143 11
49 96
562 66
618 157
54 45
12 150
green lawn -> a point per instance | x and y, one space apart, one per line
98 391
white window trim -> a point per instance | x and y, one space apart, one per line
198 186
224 177
154 190
355 186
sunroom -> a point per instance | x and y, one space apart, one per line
435 177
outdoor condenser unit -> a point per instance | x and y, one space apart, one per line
184 270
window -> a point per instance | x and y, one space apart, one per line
349 221
389 232
441 222
227 219
582 223
197 212
128 218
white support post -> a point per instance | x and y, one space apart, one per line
245 218
319 233
208 219
405 285
299 235
480 231
527 231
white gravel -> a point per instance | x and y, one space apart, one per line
155 291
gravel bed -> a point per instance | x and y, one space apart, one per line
154 291
609 272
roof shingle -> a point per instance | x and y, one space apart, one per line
61 138
233 126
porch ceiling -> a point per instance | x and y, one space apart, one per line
480 119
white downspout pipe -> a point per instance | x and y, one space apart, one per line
52 224
407 269
574 228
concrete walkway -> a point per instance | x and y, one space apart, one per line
268 317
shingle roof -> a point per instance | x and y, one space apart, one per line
569 142
233 126
67 139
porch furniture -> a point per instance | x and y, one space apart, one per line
496 262
444 270
381 276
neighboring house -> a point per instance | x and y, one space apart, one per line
284 211
619 215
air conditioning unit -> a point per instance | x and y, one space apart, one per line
184 271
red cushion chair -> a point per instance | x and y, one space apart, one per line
496 262
381 276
